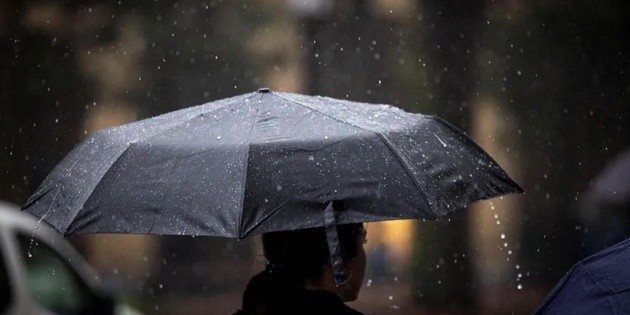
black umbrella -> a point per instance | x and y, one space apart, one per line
266 161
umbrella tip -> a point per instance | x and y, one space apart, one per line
264 90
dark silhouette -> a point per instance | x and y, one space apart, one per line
299 278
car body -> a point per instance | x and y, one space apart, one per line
41 273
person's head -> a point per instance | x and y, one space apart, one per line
304 254
300 259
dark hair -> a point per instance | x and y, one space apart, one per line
292 258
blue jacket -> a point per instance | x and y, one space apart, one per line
599 284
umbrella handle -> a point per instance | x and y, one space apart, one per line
330 225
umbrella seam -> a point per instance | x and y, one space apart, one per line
267 216
189 119
130 144
472 144
402 162
187 108
383 139
244 181
605 287
84 201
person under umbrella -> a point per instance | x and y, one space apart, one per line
299 278
599 284
270 162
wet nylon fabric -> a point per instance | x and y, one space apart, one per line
263 162
599 284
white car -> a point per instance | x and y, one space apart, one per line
41 273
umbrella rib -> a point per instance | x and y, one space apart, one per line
383 139
404 164
470 143
267 216
85 200
175 125
129 145
244 180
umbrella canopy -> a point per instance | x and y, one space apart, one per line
599 284
266 161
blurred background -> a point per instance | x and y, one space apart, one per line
542 86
